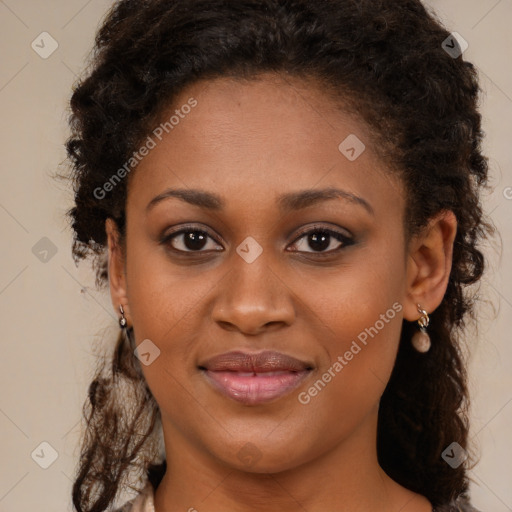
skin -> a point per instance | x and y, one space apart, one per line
249 142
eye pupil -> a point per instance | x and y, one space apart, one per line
319 241
194 240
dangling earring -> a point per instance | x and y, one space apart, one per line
420 339
122 320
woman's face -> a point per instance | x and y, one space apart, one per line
253 164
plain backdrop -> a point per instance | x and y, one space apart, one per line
52 316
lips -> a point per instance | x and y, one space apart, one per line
254 378
267 361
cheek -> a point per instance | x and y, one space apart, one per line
161 295
352 297
358 312
164 302
164 308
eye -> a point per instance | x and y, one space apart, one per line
190 240
319 239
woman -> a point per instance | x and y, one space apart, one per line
283 197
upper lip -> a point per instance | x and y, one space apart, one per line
266 361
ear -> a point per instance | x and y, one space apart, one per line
116 270
429 264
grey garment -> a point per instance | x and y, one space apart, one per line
125 508
461 504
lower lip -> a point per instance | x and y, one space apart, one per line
255 389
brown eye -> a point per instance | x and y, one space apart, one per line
190 240
319 240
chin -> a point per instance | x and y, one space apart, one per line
255 454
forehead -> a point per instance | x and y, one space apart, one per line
250 140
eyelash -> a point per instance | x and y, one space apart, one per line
340 237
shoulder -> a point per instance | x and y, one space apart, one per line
461 504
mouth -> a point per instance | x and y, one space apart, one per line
254 378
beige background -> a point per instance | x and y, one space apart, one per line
51 315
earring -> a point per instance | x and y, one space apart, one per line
421 339
122 320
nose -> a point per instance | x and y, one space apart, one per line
253 299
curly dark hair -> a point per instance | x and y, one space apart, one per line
387 62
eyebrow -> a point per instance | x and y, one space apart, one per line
287 202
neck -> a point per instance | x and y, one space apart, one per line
346 477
